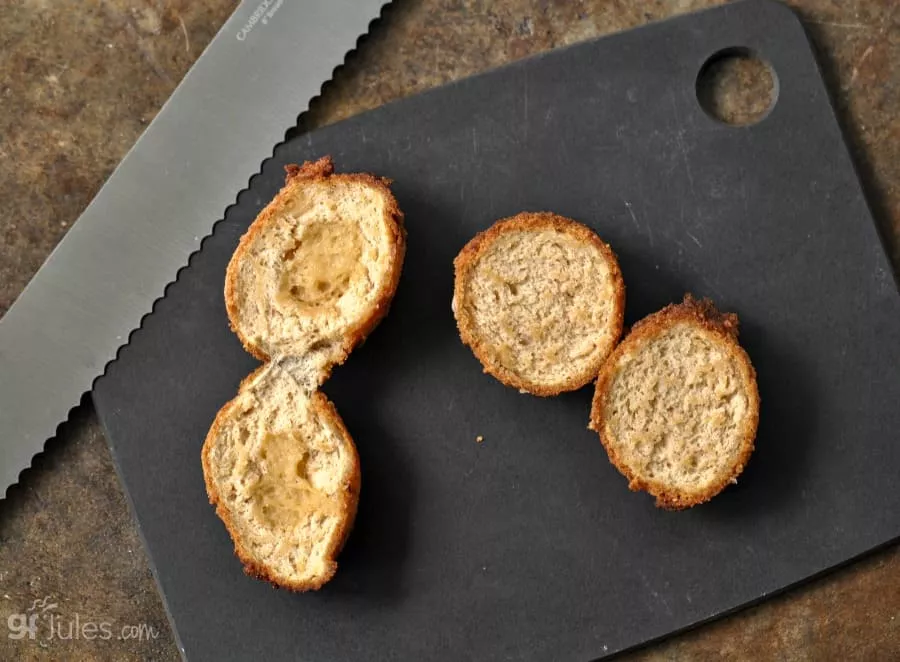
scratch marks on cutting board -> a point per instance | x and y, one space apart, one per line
637 224
684 156
679 142
631 212
656 596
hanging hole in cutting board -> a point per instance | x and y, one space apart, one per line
737 87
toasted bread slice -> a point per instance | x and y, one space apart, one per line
318 267
314 274
677 405
283 473
540 300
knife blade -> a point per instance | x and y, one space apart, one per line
213 133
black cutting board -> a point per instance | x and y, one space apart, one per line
529 545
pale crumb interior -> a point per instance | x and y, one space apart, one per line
677 408
281 469
543 302
320 266
316 269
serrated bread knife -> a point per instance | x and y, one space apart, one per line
249 86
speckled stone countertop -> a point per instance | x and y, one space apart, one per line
78 84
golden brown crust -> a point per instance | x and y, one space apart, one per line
464 265
322 171
350 500
724 326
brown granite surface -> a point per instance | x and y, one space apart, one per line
80 81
